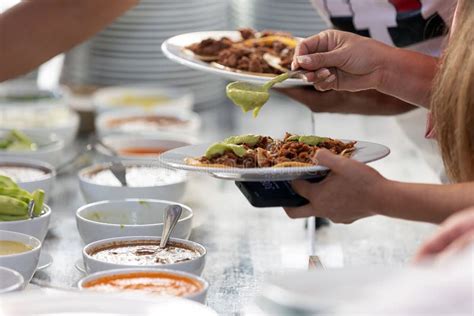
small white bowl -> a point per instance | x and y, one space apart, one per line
107 99
49 151
194 266
26 262
131 217
191 122
44 183
36 226
92 192
10 280
198 297
122 142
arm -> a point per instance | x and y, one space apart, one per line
344 61
36 30
369 102
353 191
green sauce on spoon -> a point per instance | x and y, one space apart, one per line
251 97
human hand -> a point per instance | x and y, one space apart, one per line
342 61
453 236
351 191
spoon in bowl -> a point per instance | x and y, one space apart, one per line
170 219
117 168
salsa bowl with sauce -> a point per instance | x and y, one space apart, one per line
37 226
144 181
142 147
160 282
29 174
144 252
19 252
139 122
130 217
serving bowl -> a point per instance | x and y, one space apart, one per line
148 97
36 226
49 150
25 262
30 183
194 266
199 296
143 147
145 181
131 217
143 122
10 280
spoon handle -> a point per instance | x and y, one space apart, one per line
171 217
282 77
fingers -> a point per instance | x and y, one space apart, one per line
457 246
334 162
302 187
299 212
320 60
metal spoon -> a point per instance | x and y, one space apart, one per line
31 207
170 218
117 168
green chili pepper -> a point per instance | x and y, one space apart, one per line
16 193
7 182
12 206
38 197
10 218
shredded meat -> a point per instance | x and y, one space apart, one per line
210 47
268 152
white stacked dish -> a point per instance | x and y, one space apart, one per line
128 51
298 17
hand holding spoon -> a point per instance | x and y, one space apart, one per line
170 218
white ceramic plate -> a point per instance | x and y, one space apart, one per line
173 48
94 303
365 152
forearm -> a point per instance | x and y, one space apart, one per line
368 102
408 76
424 202
36 30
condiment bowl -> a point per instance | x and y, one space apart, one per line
49 149
148 97
25 262
140 122
92 265
10 280
30 183
36 226
97 183
131 217
199 296
141 147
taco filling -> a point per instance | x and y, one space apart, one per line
255 151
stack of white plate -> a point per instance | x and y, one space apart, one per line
297 16
128 51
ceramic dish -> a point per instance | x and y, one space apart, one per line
146 123
143 147
42 177
132 217
365 152
194 266
24 262
36 227
98 304
140 274
144 97
145 181
174 49
10 280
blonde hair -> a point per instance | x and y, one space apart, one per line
452 102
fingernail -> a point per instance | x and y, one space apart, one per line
323 73
303 59
293 65
331 78
305 79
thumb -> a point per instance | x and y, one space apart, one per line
334 162
320 60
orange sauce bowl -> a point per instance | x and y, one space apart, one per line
160 282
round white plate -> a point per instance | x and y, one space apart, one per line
45 260
96 303
365 152
173 48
